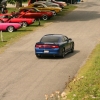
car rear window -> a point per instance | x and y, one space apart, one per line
53 39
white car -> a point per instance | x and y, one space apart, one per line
48 3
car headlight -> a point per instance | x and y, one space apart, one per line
60 9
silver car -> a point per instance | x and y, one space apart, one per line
48 3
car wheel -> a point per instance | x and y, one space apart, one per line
45 17
72 49
54 13
63 53
10 29
24 24
38 56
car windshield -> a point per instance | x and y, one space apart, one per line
35 9
44 5
52 39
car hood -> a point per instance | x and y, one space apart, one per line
54 8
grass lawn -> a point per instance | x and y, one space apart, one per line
86 85
9 38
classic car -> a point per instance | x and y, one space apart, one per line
61 3
43 7
10 27
48 3
55 45
35 13
11 18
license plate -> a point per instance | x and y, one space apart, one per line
46 51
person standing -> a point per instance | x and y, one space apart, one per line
4 9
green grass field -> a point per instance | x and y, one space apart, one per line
86 85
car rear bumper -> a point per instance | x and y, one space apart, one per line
47 51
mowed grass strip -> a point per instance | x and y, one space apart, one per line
86 84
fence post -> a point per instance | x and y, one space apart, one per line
39 22
1 36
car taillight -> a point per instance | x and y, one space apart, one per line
46 46
38 46
54 46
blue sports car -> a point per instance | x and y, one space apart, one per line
54 44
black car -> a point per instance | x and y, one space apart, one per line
54 44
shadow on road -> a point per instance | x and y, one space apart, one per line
79 16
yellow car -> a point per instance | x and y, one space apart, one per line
43 7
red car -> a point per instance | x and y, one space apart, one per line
9 18
32 12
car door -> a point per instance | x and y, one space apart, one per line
36 14
66 43
14 20
32 14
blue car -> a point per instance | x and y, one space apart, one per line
54 44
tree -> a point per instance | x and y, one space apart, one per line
18 3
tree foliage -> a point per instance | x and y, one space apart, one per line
14 1
18 3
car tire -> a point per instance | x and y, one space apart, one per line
45 17
62 53
24 24
38 56
72 49
10 28
54 13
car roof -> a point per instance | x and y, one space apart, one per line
58 35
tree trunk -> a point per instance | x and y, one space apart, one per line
18 3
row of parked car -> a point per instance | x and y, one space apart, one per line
28 15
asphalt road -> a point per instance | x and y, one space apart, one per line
24 77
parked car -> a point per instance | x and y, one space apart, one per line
35 13
54 44
10 27
48 3
62 4
9 18
43 7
